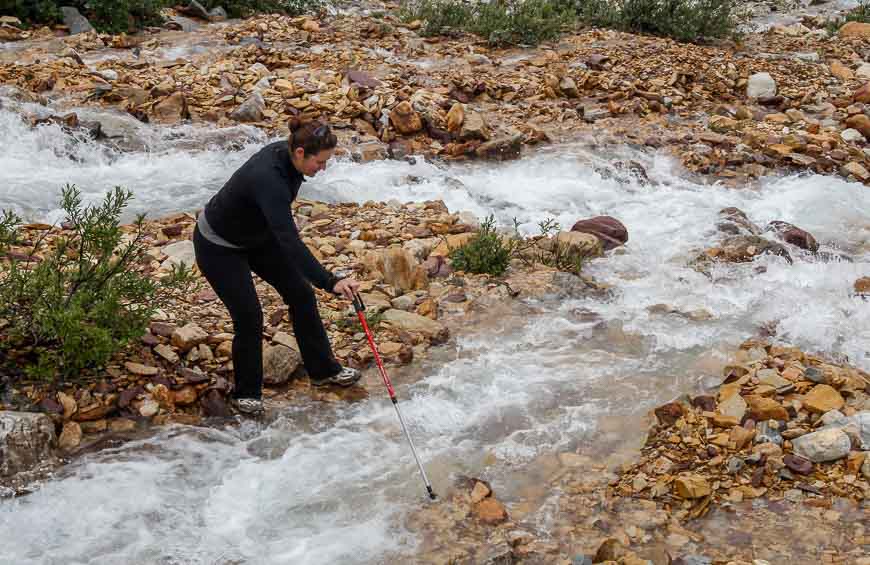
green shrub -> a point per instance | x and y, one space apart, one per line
86 299
683 20
498 21
38 11
115 16
486 252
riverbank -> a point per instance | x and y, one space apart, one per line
528 391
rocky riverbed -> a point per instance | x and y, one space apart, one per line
619 416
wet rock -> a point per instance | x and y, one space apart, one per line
742 249
70 436
214 405
25 441
824 445
823 398
794 235
668 414
434 331
862 286
856 170
76 22
501 149
735 222
251 110
171 110
405 119
188 337
609 230
279 363
692 486
761 85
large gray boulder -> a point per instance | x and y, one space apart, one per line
76 22
26 440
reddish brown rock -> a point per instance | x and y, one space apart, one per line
490 511
610 231
794 235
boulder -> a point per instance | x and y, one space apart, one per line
794 235
434 331
76 22
196 10
279 362
25 441
179 253
855 29
501 149
251 110
824 445
171 110
743 249
859 122
218 14
579 246
405 119
822 399
609 230
735 222
761 85
474 127
398 268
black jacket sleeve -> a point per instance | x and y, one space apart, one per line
274 202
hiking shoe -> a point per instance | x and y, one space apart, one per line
248 405
345 377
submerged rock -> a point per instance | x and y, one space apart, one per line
25 441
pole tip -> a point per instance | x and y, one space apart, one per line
432 494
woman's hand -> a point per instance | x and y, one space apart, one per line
347 288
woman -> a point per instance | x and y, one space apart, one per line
248 227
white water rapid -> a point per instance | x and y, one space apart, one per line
333 483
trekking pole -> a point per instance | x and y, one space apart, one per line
360 308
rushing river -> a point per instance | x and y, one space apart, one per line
328 483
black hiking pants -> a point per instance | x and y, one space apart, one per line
229 271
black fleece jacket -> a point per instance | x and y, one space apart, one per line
253 209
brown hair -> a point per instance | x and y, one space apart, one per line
313 137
